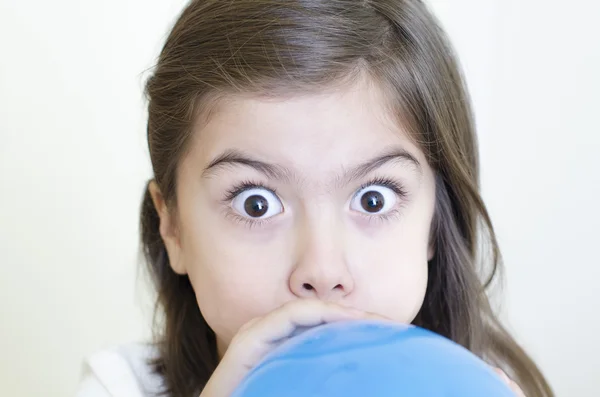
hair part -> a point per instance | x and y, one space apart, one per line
277 49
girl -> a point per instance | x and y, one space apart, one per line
314 161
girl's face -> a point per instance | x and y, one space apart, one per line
316 196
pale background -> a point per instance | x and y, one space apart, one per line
73 163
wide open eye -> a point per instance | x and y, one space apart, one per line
257 203
374 200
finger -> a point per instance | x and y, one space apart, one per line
304 313
257 337
502 374
249 324
283 322
262 334
511 383
515 388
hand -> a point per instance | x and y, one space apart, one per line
261 335
511 383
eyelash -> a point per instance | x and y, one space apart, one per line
246 185
394 186
238 189
385 182
241 187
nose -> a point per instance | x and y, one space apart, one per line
321 269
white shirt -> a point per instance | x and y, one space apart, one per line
120 372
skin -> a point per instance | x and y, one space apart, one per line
349 203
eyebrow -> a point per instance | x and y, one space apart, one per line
274 171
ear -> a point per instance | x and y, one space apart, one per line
168 230
433 233
431 249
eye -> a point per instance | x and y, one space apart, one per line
374 200
257 203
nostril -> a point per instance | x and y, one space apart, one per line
307 287
339 286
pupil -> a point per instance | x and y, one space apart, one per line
256 206
372 201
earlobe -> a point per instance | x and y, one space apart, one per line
168 229
430 251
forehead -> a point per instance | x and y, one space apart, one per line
317 132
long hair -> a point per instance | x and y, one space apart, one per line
279 48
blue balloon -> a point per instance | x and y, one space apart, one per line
371 358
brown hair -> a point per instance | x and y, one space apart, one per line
276 48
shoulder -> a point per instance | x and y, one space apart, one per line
122 371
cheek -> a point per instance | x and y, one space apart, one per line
391 270
234 281
405 290
394 281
